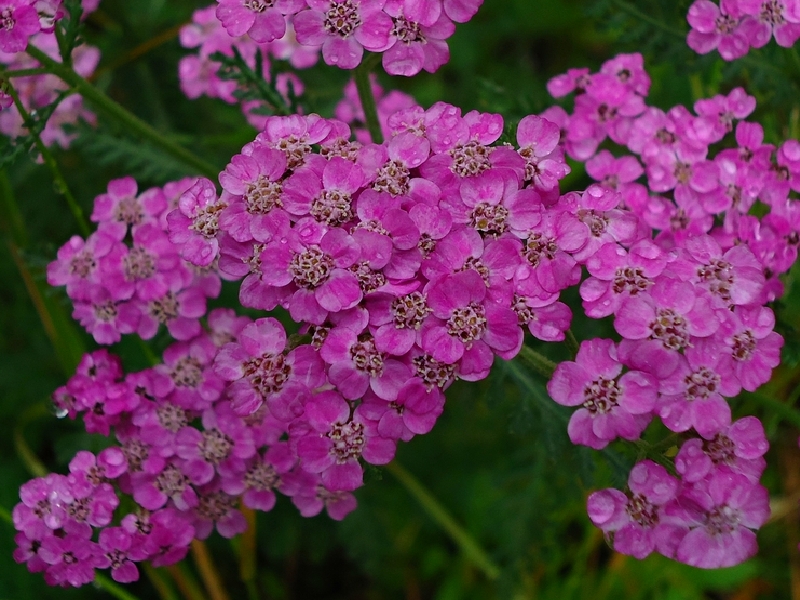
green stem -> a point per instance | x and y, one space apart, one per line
28 456
367 98
47 157
541 364
5 515
438 513
635 12
25 72
784 410
116 590
129 120
572 343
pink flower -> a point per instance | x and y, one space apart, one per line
19 22
417 37
611 406
717 27
335 438
195 224
721 513
262 20
464 328
637 520
344 28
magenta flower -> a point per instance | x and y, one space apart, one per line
751 347
326 196
538 139
740 448
417 38
334 441
344 28
611 406
674 312
693 395
261 372
637 520
310 496
771 18
119 552
262 20
77 264
721 513
717 27
617 275
464 328
194 225
355 364
121 208
71 559
256 182
20 21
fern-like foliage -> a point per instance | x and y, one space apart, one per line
141 160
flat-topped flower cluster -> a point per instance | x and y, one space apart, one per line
410 264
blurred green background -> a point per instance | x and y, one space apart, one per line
499 459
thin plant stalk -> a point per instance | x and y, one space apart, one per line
466 543
47 157
131 122
368 98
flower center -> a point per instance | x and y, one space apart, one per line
426 244
105 311
670 328
206 221
188 372
128 211
262 196
744 344
82 264
171 417
596 222
539 246
722 519
348 440
332 207
171 482
432 372
262 477
718 276
165 308
392 178
407 31
366 357
311 268
702 383
215 446
601 396
631 280
409 311
295 148
772 13
470 159
525 314
267 373
726 24
721 449
138 264
258 6
467 323
640 509
342 19
490 218
215 506
369 280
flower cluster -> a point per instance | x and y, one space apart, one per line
688 303
411 34
200 74
41 92
735 26
410 264
127 277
